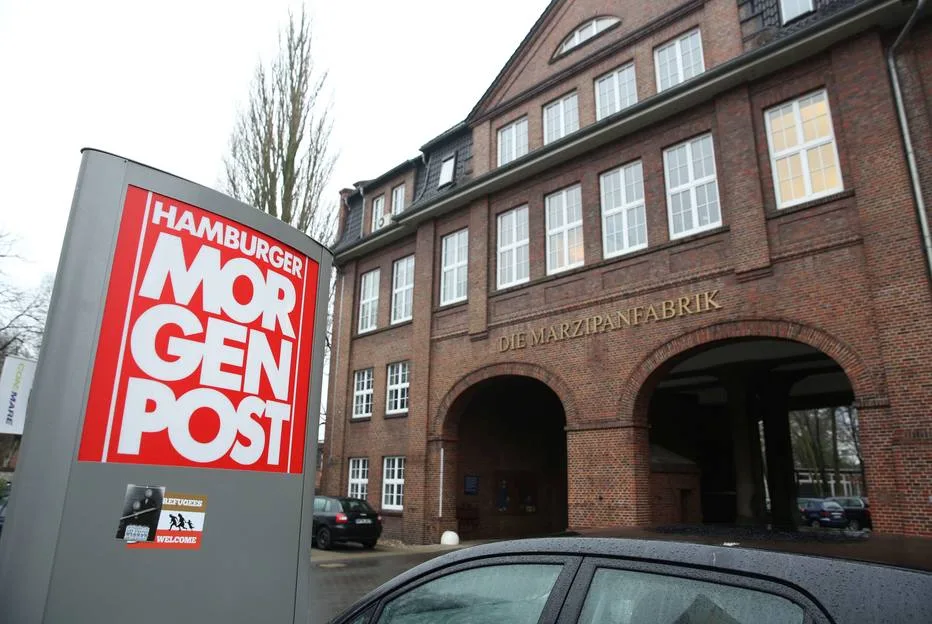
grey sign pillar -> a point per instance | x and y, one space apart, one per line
161 368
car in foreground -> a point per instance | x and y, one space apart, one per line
338 520
857 511
818 512
595 580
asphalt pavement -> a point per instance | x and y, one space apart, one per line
347 573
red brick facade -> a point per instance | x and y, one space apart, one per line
844 274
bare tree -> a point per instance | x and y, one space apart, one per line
280 158
22 311
22 321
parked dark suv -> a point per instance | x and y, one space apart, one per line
822 513
340 520
857 510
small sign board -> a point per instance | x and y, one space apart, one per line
15 385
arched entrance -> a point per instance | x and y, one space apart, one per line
737 425
511 464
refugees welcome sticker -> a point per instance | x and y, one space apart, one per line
204 354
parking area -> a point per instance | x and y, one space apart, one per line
346 573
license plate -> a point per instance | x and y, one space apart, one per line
836 515
363 520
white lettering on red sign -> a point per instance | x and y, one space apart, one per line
209 361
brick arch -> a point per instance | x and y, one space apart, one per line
521 369
632 407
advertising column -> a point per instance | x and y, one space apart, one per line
174 412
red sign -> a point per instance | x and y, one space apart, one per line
204 356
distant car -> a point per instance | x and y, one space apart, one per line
338 520
817 512
857 510
587 580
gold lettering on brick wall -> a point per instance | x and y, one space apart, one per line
696 303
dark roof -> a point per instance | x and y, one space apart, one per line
768 23
443 136
460 144
352 229
459 138
391 173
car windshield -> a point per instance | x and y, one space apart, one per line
354 504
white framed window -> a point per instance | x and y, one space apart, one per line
791 9
513 263
564 229
512 141
358 477
615 91
398 199
446 170
393 483
454 252
396 397
803 152
362 393
587 31
402 289
692 188
624 223
561 117
679 60
368 301
379 220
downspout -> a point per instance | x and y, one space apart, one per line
334 358
907 138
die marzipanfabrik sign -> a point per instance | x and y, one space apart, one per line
696 303
205 346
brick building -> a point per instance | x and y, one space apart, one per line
663 226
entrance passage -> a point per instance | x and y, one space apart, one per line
511 468
722 445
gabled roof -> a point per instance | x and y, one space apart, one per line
515 57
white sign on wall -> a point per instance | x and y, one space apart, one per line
15 384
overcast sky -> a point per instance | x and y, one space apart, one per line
161 83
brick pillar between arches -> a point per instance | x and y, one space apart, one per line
608 477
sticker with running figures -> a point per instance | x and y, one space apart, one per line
180 523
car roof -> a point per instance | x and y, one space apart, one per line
807 572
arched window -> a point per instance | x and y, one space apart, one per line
586 31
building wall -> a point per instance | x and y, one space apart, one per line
844 274
668 504
384 190
644 27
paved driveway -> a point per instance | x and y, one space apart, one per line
342 576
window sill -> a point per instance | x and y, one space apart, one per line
566 269
396 415
501 287
407 321
774 213
392 513
677 238
444 307
358 419
380 330
795 18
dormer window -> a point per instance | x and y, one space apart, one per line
379 220
446 170
586 31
